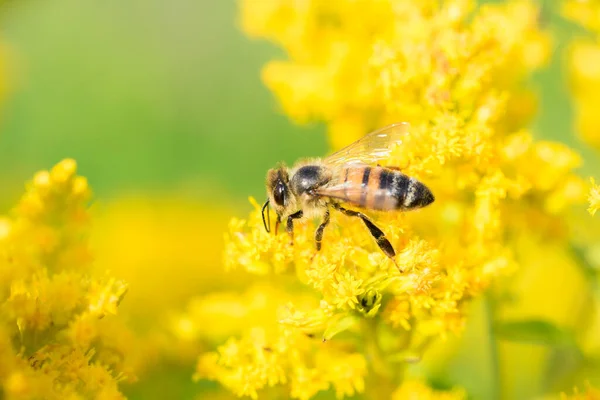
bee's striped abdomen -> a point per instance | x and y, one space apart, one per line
380 188
355 183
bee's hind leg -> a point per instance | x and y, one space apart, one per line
290 224
320 229
377 233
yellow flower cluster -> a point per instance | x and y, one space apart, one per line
269 352
258 360
362 65
584 63
456 72
58 337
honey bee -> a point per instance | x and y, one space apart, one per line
351 176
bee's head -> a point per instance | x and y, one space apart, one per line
278 192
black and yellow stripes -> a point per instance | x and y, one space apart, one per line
379 188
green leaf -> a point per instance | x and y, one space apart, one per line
534 331
339 325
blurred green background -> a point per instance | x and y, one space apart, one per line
154 97
146 95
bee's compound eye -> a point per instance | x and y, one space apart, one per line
279 193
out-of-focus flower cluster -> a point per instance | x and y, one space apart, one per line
584 63
59 337
457 72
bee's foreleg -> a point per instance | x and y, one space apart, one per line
320 229
377 233
277 225
290 224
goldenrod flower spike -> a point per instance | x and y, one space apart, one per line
53 328
456 72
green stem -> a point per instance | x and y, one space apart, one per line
493 343
381 383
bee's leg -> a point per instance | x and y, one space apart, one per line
320 229
290 224
377 233
277 225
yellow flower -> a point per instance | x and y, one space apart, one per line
277 354
53 307
403 61
457 73
584 58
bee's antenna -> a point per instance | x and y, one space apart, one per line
266 205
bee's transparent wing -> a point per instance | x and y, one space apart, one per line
344 191
371 148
